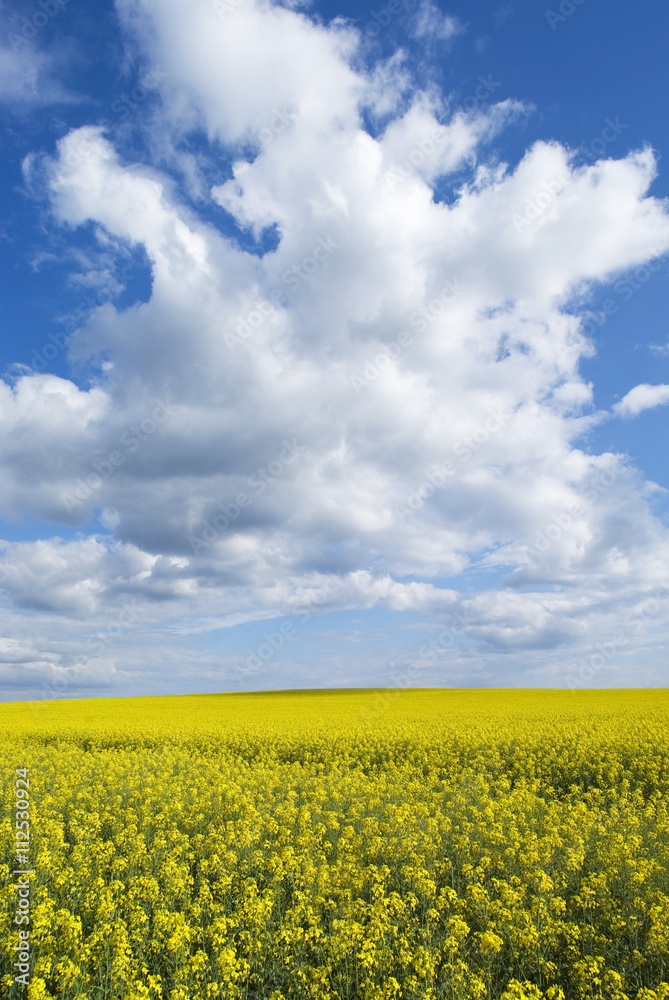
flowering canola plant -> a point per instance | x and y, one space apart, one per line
336 845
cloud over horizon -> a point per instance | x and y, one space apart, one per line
347 377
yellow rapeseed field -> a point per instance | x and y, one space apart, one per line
339 845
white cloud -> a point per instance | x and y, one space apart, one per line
29 77
418 145
20 74
431 23
640 398
231 73
392 394
388 84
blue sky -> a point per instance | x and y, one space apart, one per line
341 319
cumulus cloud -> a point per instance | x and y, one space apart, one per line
386 392
640 398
